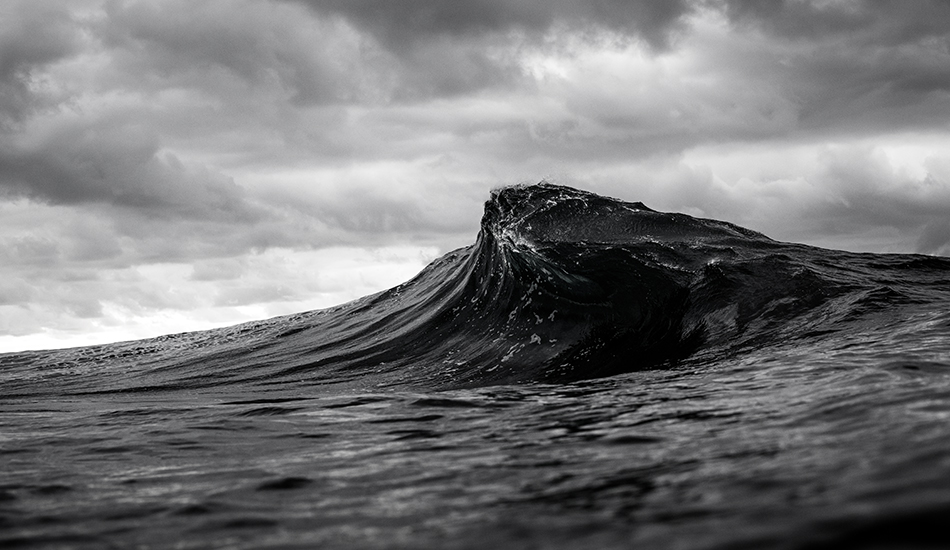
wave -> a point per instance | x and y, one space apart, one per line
560 285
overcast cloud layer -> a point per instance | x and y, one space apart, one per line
174 165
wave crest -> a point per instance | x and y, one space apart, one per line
559 285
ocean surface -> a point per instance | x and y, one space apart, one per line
589 374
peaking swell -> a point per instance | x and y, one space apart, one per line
560 285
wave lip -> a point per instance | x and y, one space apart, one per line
552 213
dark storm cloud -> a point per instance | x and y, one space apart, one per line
235 47
402 25
859 65
32 35
115 161
445 49
879 22
37 37
801 69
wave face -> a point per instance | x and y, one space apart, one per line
590 373
560 285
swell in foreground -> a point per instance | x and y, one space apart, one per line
605 373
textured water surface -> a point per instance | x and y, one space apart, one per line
590 373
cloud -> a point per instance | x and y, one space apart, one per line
226 48
402 26
871 21
856 66
935 238
33 35
874 194
168 298
115 161
446 49
161 159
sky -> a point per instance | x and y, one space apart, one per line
168 166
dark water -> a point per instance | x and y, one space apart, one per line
589 374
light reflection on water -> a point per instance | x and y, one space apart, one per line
776 450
